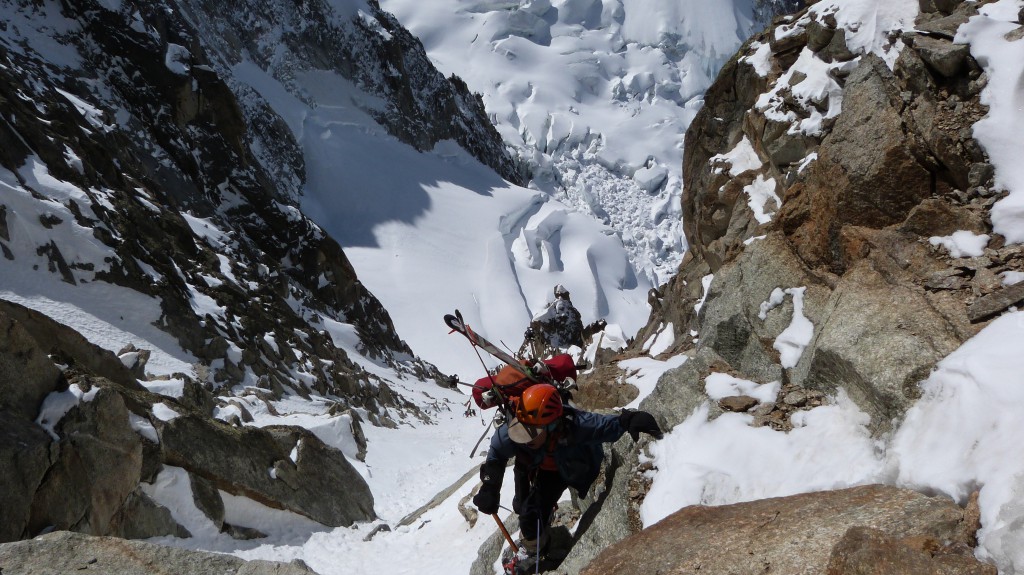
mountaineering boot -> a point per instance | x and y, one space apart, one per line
526 559
526 562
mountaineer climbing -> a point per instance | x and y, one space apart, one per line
555 446
560 322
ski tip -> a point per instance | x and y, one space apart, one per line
453 322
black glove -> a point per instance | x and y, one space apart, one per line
636 422
491 474
486 500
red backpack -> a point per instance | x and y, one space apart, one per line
512 382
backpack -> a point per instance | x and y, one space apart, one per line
512 382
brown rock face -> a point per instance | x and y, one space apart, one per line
889 164
801 534
853 182
867 551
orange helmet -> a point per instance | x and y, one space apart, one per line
540 404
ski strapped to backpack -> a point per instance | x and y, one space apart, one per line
499 390
456 323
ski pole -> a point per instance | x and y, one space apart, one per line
512 544
536 565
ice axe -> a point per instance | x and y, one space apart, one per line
515 548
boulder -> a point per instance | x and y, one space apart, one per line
819 34
65 552
730 322
24 461
27 374
837 50
942 55
737 403
794 535
935 217
95 467
69 346
996 302
258 463
141 518
877 338
783 147
946 26
207 499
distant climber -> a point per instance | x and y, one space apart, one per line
555 447
560 324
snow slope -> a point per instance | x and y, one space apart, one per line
435 231
970 400
594 95
442 232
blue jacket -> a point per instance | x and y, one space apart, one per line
577 453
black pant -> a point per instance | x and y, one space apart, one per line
536 499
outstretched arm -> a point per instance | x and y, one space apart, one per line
593 427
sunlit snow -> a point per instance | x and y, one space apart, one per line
578 94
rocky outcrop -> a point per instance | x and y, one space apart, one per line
372 50
77 450
885 529
64 552
95 465
609 509
820 206
834 198
283 467
136 130
27 374
24 460
58 343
